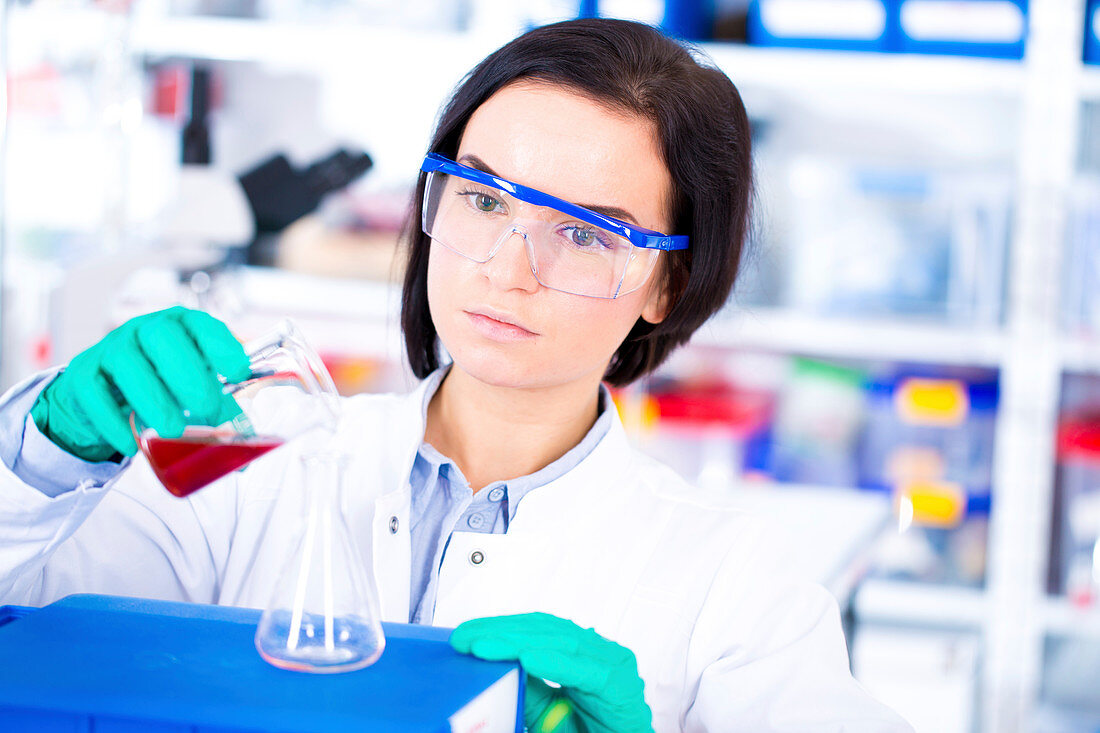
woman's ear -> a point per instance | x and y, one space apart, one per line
656 307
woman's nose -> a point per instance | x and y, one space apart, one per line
510 267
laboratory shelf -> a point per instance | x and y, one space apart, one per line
56 32
799 69
302 45
1081 354
1063 618
789 331
1088 84
920 604
309 45
925 604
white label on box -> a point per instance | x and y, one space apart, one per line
969 22
493 711
855 20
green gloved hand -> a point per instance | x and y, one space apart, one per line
157 365
600 687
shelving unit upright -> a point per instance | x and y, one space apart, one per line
1014 627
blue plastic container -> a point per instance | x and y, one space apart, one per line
844 25
1092 32
689 19
122 665
961 447
990 28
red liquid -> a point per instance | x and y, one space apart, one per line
187 464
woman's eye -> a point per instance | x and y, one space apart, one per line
484 202
583 237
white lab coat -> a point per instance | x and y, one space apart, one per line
725 639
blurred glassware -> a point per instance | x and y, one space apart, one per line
882 241
818 421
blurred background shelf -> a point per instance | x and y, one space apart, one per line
788 331
1089 83
939 606
305 45
798 69
1081 354
1061 617
308 44
920 604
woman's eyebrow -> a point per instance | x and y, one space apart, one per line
477 163
614 212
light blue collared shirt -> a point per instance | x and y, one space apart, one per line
442 501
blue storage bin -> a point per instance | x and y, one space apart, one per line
122 665
1092 32
846 25
927 428
869 240
991 28
690 19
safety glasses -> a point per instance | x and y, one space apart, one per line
570 248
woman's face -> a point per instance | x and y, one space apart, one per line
563 144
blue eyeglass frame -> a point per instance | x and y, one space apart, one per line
638 236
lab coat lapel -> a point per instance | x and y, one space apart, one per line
401 424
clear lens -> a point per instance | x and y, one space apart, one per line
566 253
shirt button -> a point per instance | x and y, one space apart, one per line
477 557
394 524
496 494
475 520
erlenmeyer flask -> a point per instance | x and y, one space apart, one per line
323 615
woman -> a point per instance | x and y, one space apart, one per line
580 214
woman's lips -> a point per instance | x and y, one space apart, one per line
493 326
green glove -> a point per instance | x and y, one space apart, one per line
600 687
157 365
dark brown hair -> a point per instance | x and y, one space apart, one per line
705 140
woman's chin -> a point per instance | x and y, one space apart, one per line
505 372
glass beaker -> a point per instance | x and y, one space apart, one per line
323 615
288 392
